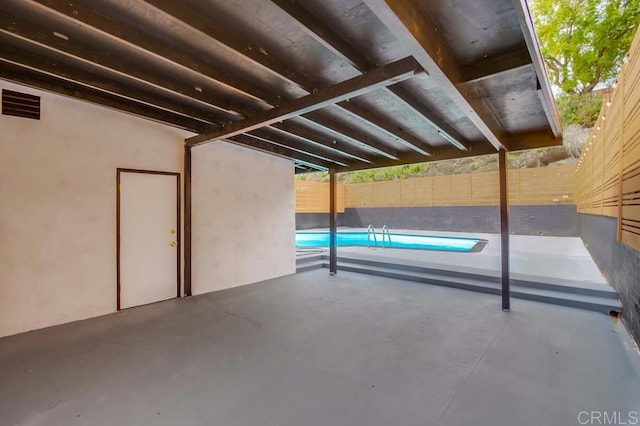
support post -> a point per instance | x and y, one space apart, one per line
187 221
333 228
503 160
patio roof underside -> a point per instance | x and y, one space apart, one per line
342 84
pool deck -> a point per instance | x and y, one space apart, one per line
560 260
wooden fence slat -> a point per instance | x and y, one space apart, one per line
545 185
608 177
313 197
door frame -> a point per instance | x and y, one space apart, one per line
178 229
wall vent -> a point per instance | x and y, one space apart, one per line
20 104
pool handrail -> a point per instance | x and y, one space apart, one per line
371 230
386 228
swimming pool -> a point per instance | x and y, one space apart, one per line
305 239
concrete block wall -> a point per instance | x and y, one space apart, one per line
619 264
553 220
316 220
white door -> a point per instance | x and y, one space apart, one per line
148 230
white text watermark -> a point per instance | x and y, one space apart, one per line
598 417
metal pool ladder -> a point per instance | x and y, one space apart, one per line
385 229
372 231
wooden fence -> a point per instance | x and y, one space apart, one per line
608 174
313 197
544 185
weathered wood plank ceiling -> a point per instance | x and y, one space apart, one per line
344 84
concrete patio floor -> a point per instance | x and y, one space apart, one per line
310 349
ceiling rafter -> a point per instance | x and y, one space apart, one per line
78 50
341 48
381 123
17 31
494 66
103 56
23 57
38 80
270 148
544 87
71 74
528 140
334 42
191 17
78 11
298 132
412 102
185 13
445 152
383 76
267 135
324 35
533 140
415 30
318 119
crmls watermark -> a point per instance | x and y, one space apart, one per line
596 417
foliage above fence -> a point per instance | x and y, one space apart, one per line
609 170
544 185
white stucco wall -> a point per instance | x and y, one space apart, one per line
58 206
243 219
58 210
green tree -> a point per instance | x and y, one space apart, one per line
580 109
387 173
584 41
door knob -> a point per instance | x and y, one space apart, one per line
173 244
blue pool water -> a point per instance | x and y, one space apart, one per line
405 241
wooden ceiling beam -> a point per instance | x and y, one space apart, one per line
66 79
544 87
519 142
252 142
303 167
79 12
183 12
441 126
77 50
324 34
23 57
341 48
293 130
267 137
420 36
380 77
97 89
37 80
533 140
261 57
493 66
348 133
446 152
378 121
